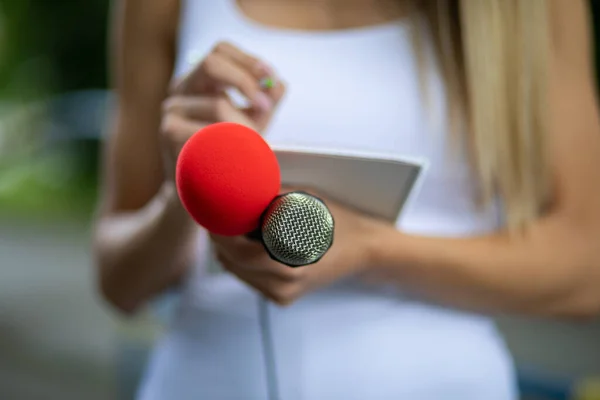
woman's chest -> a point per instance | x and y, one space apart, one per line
359 94
364 99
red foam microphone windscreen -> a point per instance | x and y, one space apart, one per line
226 177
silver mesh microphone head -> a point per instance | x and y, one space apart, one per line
297 229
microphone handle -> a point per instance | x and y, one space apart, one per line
255 235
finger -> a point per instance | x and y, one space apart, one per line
282 293
240 251
260 285
266 76
221 71
240 243
253 257
256 67
277 91
227 73
239 268
257 281
262 118
177 129
205 108
199 108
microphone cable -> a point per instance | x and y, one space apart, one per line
268 347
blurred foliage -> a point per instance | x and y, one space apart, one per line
52 46
49 187
48 48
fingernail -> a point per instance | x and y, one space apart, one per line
268 83
264 69
262 102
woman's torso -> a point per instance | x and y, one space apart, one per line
352 90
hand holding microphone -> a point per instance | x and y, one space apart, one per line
349 255
228 180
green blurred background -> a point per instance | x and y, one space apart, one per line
52 61
57 339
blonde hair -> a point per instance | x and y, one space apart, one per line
493 57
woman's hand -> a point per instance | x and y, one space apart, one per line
349 255
200 98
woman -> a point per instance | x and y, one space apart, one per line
513 80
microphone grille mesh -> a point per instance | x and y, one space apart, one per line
297 229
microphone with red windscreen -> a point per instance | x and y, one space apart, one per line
228 179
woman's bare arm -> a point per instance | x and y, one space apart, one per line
142 237
554 269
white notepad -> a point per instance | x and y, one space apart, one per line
377 184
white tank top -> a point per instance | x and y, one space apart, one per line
355 89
